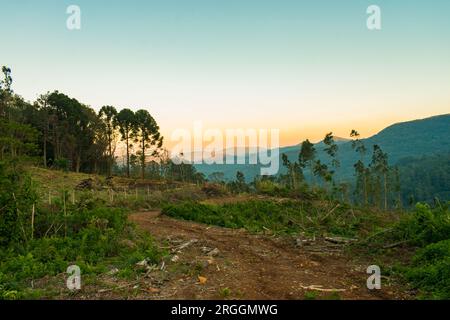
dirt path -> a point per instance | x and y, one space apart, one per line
247 266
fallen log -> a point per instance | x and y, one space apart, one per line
184 245
319 288
340 240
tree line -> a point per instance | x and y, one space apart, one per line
376 183
67 134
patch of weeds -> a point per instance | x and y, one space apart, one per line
126 273
92 239
310 295
225 292
196 269
281 217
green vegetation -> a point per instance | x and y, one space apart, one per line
38 240
418 148
429 229
430 270
425 178
285 217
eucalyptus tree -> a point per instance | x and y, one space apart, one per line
306 157
295 171
321 171
362 173
331 149
380 167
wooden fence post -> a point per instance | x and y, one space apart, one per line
32 221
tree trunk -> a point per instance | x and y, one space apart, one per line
110 162
45 150
143 160
128 156
312 174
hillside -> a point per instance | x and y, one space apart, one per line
415 138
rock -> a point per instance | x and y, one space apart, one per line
206 249
142 263
213 252
113 271
302 242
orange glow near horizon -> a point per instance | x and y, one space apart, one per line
315 132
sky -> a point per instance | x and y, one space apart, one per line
304 67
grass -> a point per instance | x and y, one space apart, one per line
280 217
310 295
93 239
225 292
135 194
429 230
430 271
416 251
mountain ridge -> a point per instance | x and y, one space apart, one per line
413 138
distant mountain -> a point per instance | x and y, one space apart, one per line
425 178
415 138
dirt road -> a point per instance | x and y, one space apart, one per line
236 264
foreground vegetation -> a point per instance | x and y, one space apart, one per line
427 229
94 233
39 240
288 217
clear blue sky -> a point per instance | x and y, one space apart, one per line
305 67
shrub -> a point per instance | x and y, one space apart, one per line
429 229
16 199
88 236
425 226
287 217
430 270
214 189
268 187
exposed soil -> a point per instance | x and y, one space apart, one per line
248 266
